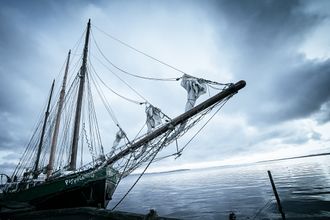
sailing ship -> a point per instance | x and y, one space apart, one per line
44 179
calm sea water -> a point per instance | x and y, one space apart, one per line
303 186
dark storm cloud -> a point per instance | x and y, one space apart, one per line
323 115
264 38
304 90
264 26
14 47
287 136
17 47
19 51
24 69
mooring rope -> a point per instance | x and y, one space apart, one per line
140 176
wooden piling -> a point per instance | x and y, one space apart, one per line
276 195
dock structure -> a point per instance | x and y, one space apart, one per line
82 213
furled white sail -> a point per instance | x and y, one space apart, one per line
195 88
153 117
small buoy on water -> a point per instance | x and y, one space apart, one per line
152 215
232 216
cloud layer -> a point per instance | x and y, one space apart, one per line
273 45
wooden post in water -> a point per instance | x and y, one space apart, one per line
276 195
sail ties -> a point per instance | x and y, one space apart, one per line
120 135
154 116
195 88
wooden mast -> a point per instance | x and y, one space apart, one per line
58 119
35 170
83 69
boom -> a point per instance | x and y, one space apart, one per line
180 119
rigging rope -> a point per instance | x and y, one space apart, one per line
121 96
76 45
140 176
93 118
149 78
128 73
179 152
127 99
262 208
208 120
89 145
105 102
136 92
139 51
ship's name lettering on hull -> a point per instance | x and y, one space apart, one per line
78 179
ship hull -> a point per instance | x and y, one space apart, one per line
94 194
93 188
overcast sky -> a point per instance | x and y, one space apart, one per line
281 49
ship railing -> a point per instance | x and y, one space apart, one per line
2 187
11 187
20 184
88 166
92 165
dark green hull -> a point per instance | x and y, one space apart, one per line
92 188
